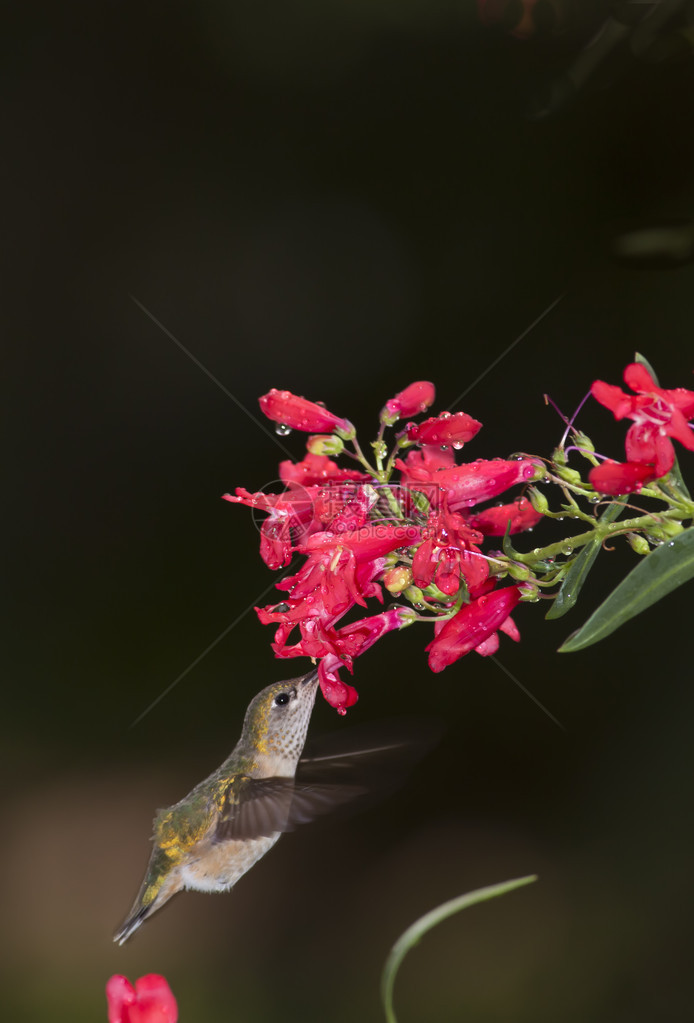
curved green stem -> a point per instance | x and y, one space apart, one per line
416 931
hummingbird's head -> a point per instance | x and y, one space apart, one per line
277 720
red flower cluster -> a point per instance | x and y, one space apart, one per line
658 415
150 1001
359 531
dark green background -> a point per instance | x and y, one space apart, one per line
337 198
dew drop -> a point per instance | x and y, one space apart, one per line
457 445
567 549
282 430
418 607
444 447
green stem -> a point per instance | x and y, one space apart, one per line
361 457
603 531
400 442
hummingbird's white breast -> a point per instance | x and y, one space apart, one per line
219 867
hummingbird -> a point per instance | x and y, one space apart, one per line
209 839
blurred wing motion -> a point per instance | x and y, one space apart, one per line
361 765
264 806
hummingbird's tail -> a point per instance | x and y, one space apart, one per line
133 921
141 911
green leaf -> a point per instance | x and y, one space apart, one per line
425 923
675 471
660 572
581 566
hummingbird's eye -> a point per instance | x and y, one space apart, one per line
282 699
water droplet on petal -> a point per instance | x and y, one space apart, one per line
444 447
282 430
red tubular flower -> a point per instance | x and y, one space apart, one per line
455 429
462 485
411 402
467 485
471 627
150 1001
300 414
495 521
658 414
620 477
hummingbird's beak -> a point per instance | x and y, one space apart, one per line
309 678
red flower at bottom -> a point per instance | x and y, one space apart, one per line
150 1001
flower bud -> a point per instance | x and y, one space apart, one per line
569 475
293 412
324 444
583 441
665 530
638 543
455 429
397 579
414 400
414 595
538 500
517 571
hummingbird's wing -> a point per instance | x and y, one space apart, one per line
260 807
362 761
